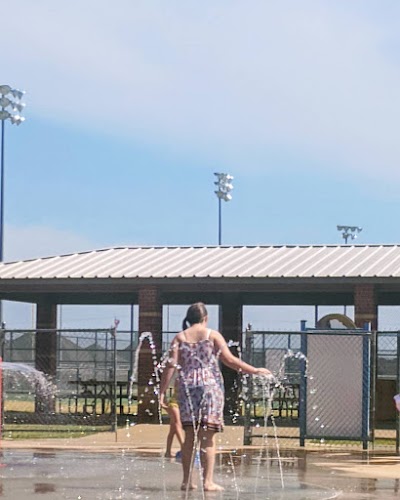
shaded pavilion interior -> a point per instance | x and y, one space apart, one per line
363 276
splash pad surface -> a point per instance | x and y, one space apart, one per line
76 475
132 467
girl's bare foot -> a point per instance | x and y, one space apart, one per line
168 455
191 486
213 487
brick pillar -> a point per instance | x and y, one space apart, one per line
231 318
46 349
46 340
150 320
365 307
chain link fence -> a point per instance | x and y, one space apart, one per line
90 386
387 384
332 388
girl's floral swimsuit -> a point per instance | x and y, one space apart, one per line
201 388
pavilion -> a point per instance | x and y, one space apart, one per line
365 276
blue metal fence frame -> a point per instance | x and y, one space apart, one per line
365 436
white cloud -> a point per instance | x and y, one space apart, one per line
225 79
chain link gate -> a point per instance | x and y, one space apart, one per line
335 388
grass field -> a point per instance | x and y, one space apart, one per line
70 405
39 431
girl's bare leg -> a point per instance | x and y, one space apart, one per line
171 433
175 428
187 459
207 456
170 438
180 435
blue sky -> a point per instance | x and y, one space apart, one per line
132 105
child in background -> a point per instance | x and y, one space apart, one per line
175 425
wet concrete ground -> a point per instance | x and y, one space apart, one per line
79 475
131 465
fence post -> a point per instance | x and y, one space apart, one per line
366 386
249 340
303 389
115 387
373 382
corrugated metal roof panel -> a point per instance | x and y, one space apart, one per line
329 261
389 263
359 259
342 262
317 260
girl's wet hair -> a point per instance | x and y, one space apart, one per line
195 314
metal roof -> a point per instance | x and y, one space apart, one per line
301 261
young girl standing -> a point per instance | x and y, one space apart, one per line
196 351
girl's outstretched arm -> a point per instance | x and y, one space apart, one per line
233 361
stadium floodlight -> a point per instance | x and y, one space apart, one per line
10 109
349 232
224 187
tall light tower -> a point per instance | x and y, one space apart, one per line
10 109
224 186
349 232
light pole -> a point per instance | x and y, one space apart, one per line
10 109
224 186
349 232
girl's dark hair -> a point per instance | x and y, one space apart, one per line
195 314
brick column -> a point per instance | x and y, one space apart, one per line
46 340
365 307
230 320
46 348
150 320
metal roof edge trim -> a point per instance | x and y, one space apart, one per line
158 247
